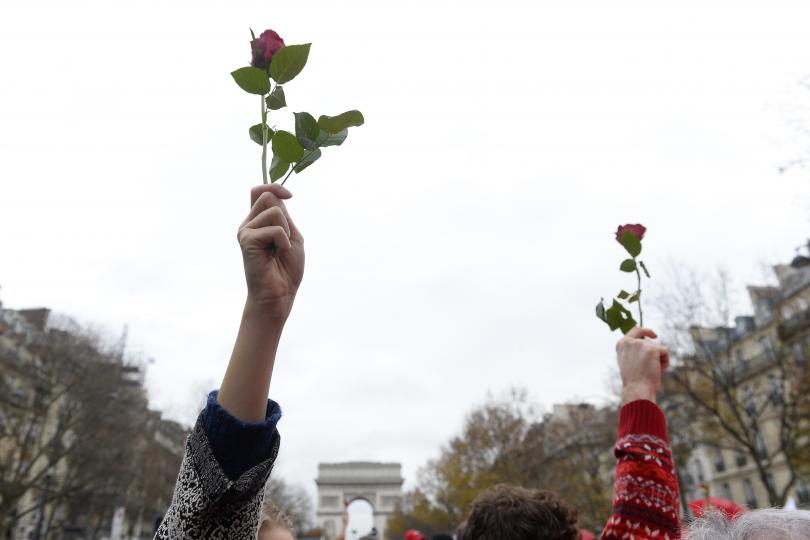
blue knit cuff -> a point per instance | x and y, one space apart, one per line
238 446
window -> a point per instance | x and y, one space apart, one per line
803 493
727 492
740 458
799 353
699 469
763 310
767 347
748 401
750 498
770 482
742 361
774 390
762 449
719 463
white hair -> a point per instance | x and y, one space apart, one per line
766 524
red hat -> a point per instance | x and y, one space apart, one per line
413 534
730 509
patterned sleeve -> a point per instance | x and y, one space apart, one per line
645 490
206 503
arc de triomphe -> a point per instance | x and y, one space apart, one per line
380 484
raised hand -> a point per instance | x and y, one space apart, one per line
272 252
641 364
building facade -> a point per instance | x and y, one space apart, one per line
758 367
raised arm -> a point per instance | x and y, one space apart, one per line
645 490
273 255
231 450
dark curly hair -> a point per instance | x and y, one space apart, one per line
514 513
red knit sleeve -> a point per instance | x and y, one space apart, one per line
645 489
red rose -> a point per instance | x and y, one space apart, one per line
638 230
264 48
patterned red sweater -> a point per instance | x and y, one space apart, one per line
645 490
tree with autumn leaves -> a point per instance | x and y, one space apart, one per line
505 440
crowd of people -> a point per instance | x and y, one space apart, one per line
230 452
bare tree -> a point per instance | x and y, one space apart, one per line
74 432
293 500
720 396
45 401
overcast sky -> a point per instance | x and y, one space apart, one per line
456 244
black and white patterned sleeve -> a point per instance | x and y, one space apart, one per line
207 504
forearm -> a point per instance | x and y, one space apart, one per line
646 489
246 384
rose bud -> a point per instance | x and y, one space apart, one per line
268 44
638 230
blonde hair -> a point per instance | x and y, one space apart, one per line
273 516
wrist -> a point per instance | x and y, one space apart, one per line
271 315
637 391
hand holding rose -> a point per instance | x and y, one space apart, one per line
272 252
641 365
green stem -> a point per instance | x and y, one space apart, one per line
292 167
638 288
264 140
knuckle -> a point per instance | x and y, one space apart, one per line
266 198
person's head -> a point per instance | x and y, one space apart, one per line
519 514
274 524
766 524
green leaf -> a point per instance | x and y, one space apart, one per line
311 136
334 124
252 80
276 99
613 317
306 130
252 35
628 265
619 317
278 168
627 324
644 267
634 298
631 243
288 62
600 310
623 295
332 139
255 133
287 147
308 159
